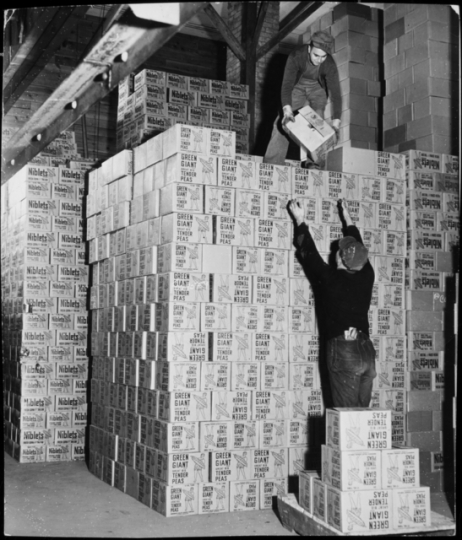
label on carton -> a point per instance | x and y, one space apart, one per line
213 498
244 495
371 188
222 143
219 201
234 231
244 318
410 508
234 405
400 468
390 165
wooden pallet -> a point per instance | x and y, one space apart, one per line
295 518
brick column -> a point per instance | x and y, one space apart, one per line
421 105
235 70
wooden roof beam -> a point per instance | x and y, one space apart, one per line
226 32
295 18
125 47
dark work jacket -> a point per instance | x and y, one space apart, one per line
342 298
327 78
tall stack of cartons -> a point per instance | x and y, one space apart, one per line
421 44
374 185
432 258
366 483
44 312
355 29
153 101
205 376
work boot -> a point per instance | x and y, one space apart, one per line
310 165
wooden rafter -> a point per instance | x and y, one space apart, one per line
226 32
300 13
135 39
51 38
260 20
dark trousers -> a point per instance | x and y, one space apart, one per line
351 365
279 142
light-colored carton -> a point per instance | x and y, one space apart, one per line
177 257
216 376
230 230
246 260
274 375
359 511
274 177
217 259
226 288
305 490
389 269
182 468
275 262
244 318
183 287
213 497
230 346
178 437
410 508
275 205
231 405
191 168
182 346
270 290
418 160
270 405
244 495
319 499
273 434
297 435
244 434
219 200
351 470
270 488
174 501
271 463
222 143
215 317
270 233
215 436
390 376
400 467
176 376
184 406
183 138
231 465
245 376
351 429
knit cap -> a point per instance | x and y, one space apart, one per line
353 253
322 40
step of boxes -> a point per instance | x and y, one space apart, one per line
366 483
374 185
152 101
198 406
433 239
356 48
44 308
420 44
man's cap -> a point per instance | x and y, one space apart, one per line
322 40
353 253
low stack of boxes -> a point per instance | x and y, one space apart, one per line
155 100
422 74
366 484
375 189
433 239
44 312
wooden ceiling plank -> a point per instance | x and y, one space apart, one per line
138 38
299 14
39 56
226 32
29 42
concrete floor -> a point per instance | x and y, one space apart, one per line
66 500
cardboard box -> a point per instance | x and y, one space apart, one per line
175 376
390 165
245 376
232 465
174 501
270 405
184 406
218 259
271 233
191 346
271 177
229 346
245 260
249 204
351 160
234 231
425 341
311 132
178 437
418 160
319 499
423 220
355 470
235 288
219 201
244 495
410 508
425 360
177 257
215 317
417 280
213 497
231 405
426 181
183 287
305 490
273 434
348 512
183 138
419 199
275 206
216 376
215 436
190 167
244 318
358 429
175 316
222 143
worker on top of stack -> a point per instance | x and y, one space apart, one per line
310 76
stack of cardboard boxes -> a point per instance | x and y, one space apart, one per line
433 239
366 483
375 189
153 101
422 74
44 311
195 307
